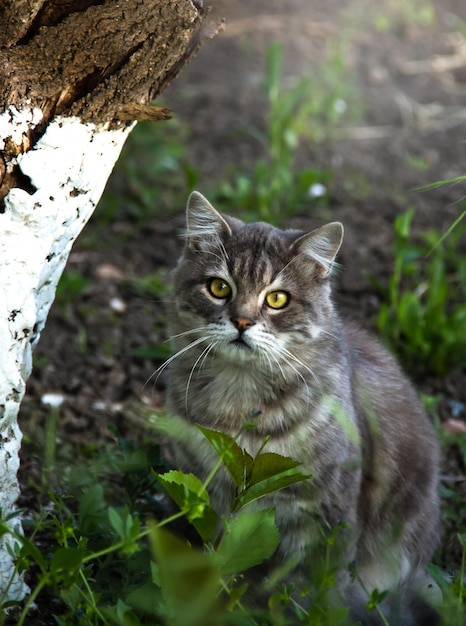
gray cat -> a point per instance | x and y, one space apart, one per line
256 333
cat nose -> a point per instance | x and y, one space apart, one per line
242 323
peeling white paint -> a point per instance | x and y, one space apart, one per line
69 168
15 124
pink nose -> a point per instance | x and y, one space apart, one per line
242 323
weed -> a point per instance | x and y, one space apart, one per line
103 554
420 14
275 187
71 284
417 162
114 564
423 313
452 587
51 428
96 560
154 284
452 491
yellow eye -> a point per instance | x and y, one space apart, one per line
277 299
219 288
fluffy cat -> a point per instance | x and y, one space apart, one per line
256 333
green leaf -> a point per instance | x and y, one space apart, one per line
270 472
189 579
403 223
90 507
271 485
116 522
190 495
146 599
377 597
409 311
248 465
249 539
72 598
127 527
174 479
29 549
268 465
156 352
125 614
229 451
4 529
121 614
155 573
438 576
67 559
235 595
132 525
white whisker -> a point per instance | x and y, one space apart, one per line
326 332
206 352
160 369
201 358
286 355
272 355
299 362
280 354
264 356
199 329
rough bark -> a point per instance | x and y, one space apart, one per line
100 61
74 76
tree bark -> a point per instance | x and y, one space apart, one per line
74 77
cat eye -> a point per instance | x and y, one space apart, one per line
277 299
219 288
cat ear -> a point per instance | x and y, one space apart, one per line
204 224
322 245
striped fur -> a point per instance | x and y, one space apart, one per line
326 393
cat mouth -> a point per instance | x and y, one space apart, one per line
240 343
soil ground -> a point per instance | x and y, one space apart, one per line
407 70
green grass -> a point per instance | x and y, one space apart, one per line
299 115
414 12
70 286
423 313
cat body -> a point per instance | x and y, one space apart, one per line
257 339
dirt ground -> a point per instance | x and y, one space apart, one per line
409 73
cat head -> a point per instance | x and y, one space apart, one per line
249 286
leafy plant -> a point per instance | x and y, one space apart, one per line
452 587
104 555
275 186
71 284
423 313
110 564
452 489
415 13
153 284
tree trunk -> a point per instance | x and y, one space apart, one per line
75 75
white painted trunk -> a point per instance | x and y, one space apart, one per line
69 168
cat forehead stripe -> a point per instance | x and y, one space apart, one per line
255 268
